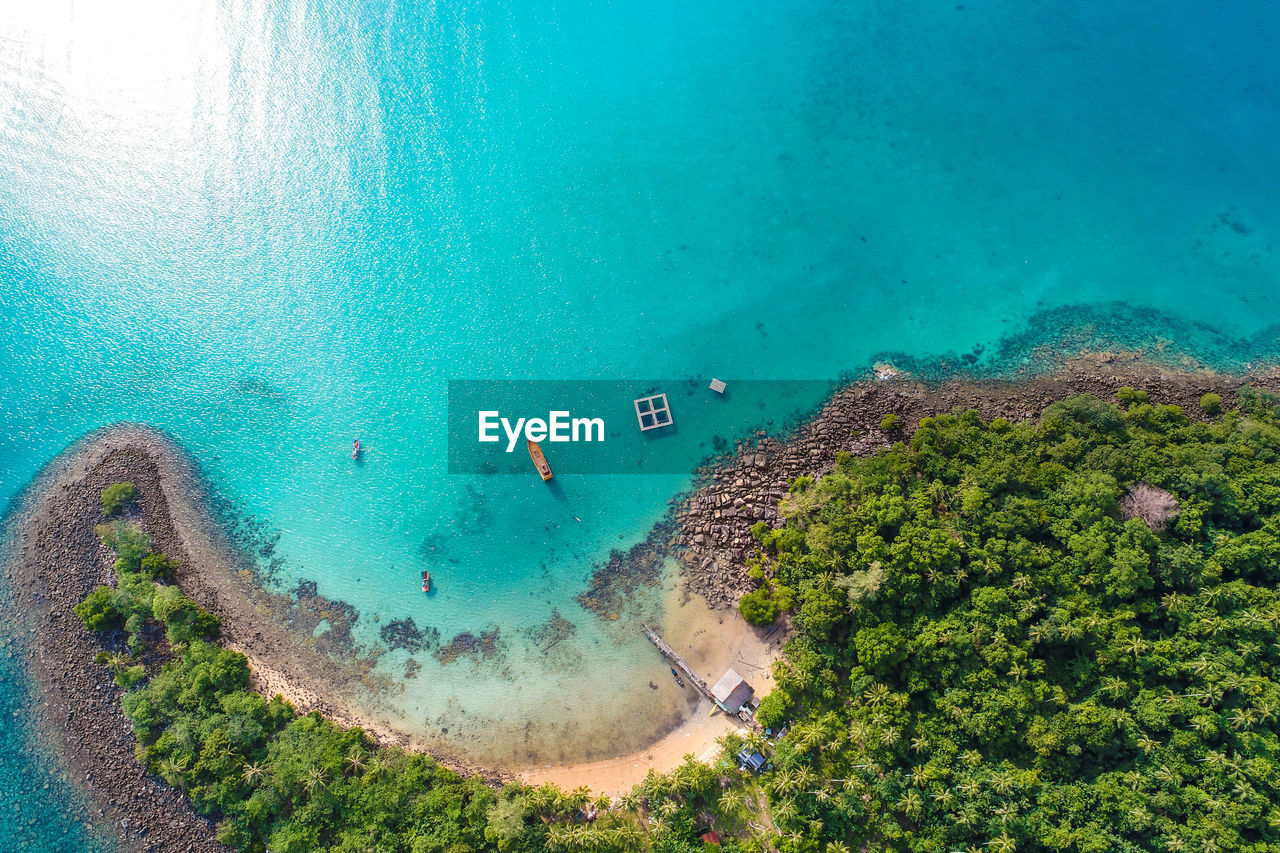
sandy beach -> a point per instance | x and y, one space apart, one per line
55 558
711 641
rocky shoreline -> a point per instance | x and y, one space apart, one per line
56 559
714 522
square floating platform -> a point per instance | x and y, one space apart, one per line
718 386
653 412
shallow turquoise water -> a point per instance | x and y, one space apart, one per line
270 227
40 809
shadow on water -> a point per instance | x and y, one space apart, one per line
557 490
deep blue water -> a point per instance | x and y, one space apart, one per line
270 227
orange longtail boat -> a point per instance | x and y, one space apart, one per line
539 461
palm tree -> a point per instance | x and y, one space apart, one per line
785 810
783 782
1115 686
1003 844
837 847
731 801
911 804
807 735
253 773
877 694
629 802
315 778
543 800
171 771
803 777
578 797
356 760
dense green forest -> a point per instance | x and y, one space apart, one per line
1057 635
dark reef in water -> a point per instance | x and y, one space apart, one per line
551 633
467 644
613 586
405 634
1054 337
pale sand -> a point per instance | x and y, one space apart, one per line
710 641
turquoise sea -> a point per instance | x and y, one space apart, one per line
270 227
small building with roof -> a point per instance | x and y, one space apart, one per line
732 692
750 759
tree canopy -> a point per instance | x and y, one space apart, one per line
1059 635
997 646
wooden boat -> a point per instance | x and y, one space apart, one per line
426 581
539 461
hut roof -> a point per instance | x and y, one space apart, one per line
731 691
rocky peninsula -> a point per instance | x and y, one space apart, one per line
54 560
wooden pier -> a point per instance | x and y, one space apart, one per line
678 662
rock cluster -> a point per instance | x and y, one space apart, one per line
714 523
59 561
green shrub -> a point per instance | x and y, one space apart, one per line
880 649
158 566
135 624
184 620
800 484
98 611
1130 396
116 497
763 533
1211 404
758 607
128 541
773 709
890 423
127 678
